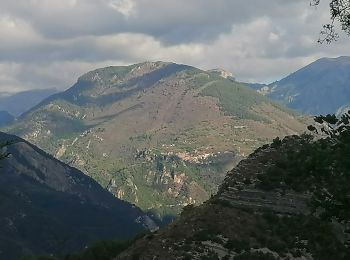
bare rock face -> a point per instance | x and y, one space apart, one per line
286 203
240 187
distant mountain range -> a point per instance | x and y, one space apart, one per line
18 103
157 134
322 87
48 207
6 118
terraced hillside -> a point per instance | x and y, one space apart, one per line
160 135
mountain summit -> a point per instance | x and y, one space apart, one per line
157 134
322 87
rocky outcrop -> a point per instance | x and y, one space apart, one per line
258 200
246 221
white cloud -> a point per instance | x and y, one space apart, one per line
125 7
49 43
15 33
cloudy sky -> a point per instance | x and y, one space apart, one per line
49 43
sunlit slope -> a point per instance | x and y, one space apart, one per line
160 135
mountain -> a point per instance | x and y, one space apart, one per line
49 207
18 103
160 135
257 86
5 118
322 87
287 200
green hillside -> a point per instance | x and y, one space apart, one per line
287 200
160 135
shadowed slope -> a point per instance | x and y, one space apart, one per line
50 207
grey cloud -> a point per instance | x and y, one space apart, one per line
171 21
49 43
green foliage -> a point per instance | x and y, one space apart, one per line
237 245
187 209
4 155
339 13
235 98
187 256
69 122
321 167
276 142
255 256
203 235
200 79
210 256
222 202
39 258
102 250
105 250
331 126
107 74
291 234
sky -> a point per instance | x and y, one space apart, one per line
50 43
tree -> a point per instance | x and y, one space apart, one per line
5 154
333 169
340 12
331 126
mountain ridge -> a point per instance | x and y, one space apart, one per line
161 121
20 102
321 87
49 207
6 118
